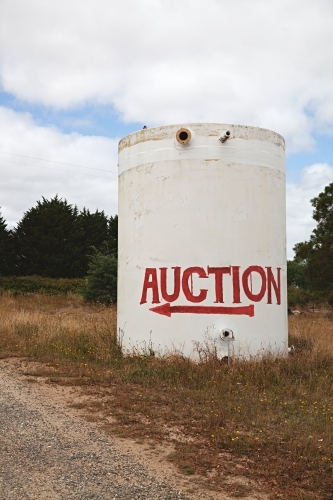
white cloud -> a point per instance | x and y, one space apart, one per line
262 62
25 180
299 209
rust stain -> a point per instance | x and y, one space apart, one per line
139 137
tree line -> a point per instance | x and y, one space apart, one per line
54 239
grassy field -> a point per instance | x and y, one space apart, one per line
268 420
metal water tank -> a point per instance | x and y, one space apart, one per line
202 241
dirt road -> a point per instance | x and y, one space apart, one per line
49 452
45 453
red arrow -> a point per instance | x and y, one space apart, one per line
167 310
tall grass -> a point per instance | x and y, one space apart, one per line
57 327
272 418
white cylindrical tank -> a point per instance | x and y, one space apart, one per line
202 241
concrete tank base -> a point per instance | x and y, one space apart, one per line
202 259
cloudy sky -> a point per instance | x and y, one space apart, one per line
76 76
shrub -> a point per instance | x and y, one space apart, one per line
22 285
101 280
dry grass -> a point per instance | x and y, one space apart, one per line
52 327
269 420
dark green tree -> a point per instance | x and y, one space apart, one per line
318 251
297 274
49 239
101 279
7 250
112 240
94 234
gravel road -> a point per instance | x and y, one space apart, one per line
45 453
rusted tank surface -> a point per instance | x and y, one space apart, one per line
202 250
